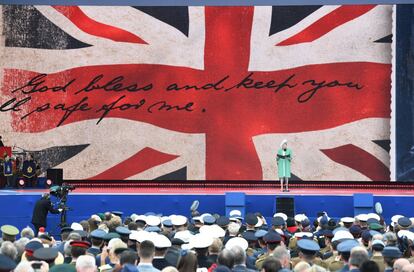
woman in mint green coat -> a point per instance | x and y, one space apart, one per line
284 157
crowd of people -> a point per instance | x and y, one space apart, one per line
111 241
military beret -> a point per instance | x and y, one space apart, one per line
375 226
327 233
6 263
290 222
82 244
47 254
167 223
209 220
332 223
63 268
177 242
347 245
260 233
355 229
66 229
118 213
45 236
249 236
98 234
272 237
324 220
122 230
251 219
32 246
391 252
305 223
278 221
308 245
404 222
9 230
372 221
366 235
223 221
111 235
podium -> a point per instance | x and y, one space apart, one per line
5 149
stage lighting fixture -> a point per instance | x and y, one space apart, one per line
49 183
21 183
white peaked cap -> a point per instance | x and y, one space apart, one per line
237 241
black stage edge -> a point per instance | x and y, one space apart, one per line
383 185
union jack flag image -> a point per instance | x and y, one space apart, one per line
199 93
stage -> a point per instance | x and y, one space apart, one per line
173 197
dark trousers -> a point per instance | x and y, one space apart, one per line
11 181
36 228
30 182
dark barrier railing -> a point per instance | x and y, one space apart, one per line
241 184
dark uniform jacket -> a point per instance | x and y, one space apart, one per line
42 207
160 263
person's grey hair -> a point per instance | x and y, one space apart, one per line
24 267
74 236
239 255
7 248
27 232
358 256
280 253
20 245
390 238
233 228
85 263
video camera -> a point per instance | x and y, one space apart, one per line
61 192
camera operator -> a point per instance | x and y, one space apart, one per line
42 207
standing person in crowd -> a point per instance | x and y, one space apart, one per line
42 207
29 171
8 171
146 254
284 158
187 262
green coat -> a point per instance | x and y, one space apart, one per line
283 164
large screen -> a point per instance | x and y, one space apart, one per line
199 93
